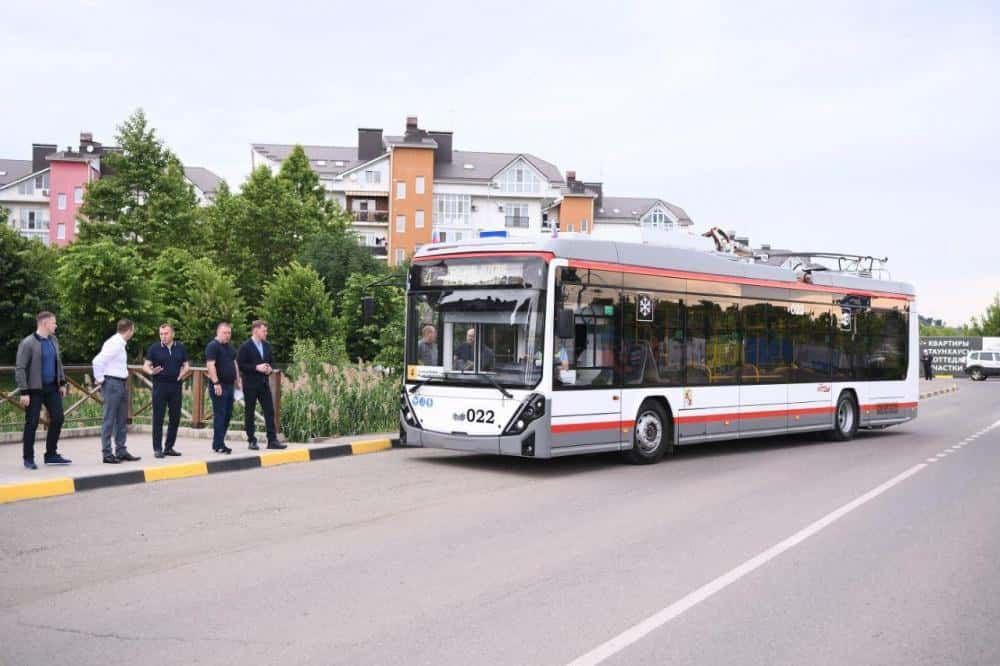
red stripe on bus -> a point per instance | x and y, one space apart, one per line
596 425
889 405
731 416
708 277
478 255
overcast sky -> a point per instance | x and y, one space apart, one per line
849 126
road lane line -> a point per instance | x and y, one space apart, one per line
654 622
930 460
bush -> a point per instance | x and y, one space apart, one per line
364 341
296 307
310 356
99 283
211 297
344 400
27 269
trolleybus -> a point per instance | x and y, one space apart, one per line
558 346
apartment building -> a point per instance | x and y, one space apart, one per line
44 194
407 190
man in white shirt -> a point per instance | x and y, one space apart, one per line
111 373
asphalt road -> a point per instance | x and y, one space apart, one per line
424 557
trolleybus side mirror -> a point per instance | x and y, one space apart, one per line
367 309
565 324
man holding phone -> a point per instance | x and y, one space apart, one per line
167 363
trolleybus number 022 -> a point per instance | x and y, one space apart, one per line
475 416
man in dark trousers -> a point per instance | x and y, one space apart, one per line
220 366
167 363
40 380
928 364
254 360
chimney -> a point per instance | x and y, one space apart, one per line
574 185
599 189
413 133
442 154
369 143
39 151
88 145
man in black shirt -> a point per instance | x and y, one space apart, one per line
254 360
167 363
220 361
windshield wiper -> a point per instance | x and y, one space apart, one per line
421 383
489 378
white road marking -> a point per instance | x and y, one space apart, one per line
930 460
654 622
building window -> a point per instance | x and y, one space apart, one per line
458 235
61 231
400 255
520 178
452 209
61 203
442 236
516 214
418 185
570 228
584 226
657 219
26 187
401 224
418 219
78 195
400 189
42 181
373 177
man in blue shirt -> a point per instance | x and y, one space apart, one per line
254 360
167 363
40 381
220 364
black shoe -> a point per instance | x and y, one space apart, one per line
171 452
111 460
57 459
224 449
128 457
254 447
30 464
158 454
276 445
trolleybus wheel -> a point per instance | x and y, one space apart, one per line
651 435
845 418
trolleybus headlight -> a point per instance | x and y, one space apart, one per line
407 410
531 409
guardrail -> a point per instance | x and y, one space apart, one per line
82 393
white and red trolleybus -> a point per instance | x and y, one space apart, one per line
552 347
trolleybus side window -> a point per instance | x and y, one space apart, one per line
587 359
767 345
653 340
712 341
811 327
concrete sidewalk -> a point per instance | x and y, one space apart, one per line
89 472
935 387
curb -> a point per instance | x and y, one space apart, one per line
66 486
931 394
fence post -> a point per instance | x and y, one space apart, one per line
276 392
198 399
128 396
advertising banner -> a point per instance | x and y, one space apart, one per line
949 352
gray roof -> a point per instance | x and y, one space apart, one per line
279 152
11 170
203 179
485 165
633 208
666 257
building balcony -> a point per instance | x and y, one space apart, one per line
381 216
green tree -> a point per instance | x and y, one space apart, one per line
336 255
296 307
26 287
299 175
210 296
364 340
258 230
989 323
144 199
98 283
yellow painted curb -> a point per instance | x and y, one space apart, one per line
282 457
175 471
36 489
370 446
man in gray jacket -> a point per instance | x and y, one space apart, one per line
41 381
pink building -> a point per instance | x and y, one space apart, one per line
68 178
